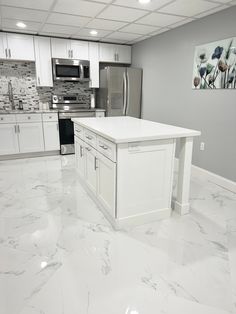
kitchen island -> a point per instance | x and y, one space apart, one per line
127 166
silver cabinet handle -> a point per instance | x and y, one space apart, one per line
9 53
81 151
2 118
18 129
95 163
68 53
89 137
39 80
88 149
6 53
103 147
15 128
29 117
71 53
117 56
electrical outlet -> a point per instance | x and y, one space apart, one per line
202 146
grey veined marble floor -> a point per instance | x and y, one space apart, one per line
59 255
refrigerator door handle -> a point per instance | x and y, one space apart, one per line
124 94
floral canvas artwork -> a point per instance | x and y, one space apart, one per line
215 65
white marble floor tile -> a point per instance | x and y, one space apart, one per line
59 255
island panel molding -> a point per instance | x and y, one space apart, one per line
127 165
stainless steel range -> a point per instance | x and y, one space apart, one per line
70 106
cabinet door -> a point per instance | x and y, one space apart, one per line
51 136
94 65
20 47
30 137
8 139
43 61
3 46
79 49
79 154
60 48
90 168
106 183
107 53
123 54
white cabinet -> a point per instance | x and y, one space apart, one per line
114 53
43 61
51 136
80 160
60 48
106 183
8 139
79 49
30 137
17 47
90 162
69 49
94 65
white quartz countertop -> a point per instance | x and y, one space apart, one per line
128 129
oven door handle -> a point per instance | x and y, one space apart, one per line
81 71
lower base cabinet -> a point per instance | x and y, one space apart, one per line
30 137
98 172
51 136
8 139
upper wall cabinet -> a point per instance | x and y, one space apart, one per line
43 61
69 49
16 47
94 65
114 53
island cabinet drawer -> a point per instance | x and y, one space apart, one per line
90 138
7 118
25 117
106 148
50 117
79 131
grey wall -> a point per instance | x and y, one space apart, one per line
167 62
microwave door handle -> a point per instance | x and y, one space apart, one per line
82 71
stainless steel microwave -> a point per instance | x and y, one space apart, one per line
70 70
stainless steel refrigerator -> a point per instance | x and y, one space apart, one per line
120 91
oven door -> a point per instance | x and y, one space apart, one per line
66 131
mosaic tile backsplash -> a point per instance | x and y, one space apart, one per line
23 79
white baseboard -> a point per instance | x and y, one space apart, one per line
210 176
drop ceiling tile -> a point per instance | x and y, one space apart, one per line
59 29
159 19
160 31
86 32
139 29
152 5
209 12
11 24
78 7
29 4
67 19
113 40
188 20
106 24
23 14
121 14
123 36
188 7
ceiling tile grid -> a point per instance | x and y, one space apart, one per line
118 21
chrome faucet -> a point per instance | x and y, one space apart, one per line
10 95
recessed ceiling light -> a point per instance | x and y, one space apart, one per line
21 24
144 1
93 32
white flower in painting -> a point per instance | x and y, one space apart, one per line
202 55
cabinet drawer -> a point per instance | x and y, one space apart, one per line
79 131
106 148
50 117
25 117
7 118
90 138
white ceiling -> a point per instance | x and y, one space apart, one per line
120 21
